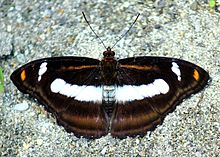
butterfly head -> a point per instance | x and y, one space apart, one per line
108 53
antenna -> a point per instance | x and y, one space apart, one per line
120 36
126 31
93 30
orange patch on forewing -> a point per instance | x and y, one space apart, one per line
196 75
23 75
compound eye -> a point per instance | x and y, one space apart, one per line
105 53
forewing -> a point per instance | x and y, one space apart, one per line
154 87
60 84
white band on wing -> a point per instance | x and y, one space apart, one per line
122 93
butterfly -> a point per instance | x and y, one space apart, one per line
125 97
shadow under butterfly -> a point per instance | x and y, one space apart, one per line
125 97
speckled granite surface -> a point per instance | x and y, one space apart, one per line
182 29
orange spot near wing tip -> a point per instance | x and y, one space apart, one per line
196 75
23 75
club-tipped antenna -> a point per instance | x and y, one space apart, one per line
93 30
123 35
120 36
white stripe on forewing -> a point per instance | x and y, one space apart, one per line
42 70
175 68
132 92
122 93
90 93
83 93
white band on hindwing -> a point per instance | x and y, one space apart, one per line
109 93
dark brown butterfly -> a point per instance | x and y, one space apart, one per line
125 97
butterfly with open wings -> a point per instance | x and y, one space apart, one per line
125 97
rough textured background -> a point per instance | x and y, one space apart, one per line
182 29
